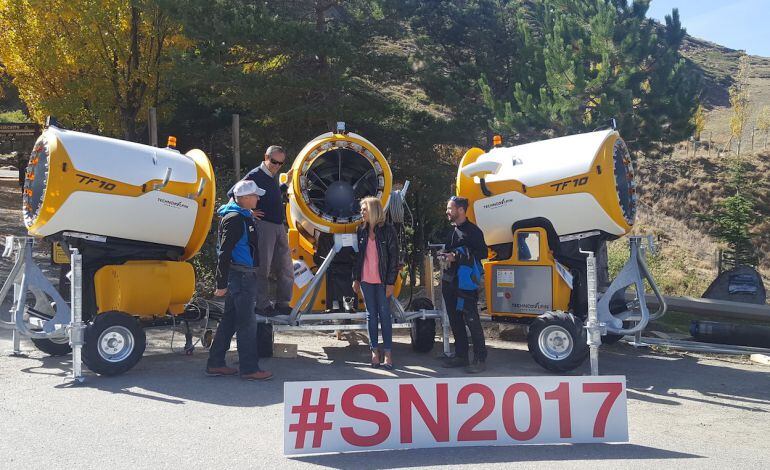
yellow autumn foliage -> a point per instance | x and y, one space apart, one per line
95 64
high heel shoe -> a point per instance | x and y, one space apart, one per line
388 364
375 362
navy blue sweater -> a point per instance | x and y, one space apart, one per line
272 202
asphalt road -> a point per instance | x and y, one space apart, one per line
684 411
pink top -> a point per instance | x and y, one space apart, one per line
371 271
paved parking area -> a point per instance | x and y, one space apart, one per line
684 411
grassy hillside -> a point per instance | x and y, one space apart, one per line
719 66
677 187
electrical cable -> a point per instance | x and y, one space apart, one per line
194 304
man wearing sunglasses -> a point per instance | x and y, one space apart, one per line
274 254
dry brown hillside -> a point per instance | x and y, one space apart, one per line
676 187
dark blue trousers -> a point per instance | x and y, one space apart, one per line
238 319
378 311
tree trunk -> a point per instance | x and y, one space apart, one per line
135 86
128 123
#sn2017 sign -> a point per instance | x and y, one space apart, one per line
343 416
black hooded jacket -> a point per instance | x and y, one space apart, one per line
387 250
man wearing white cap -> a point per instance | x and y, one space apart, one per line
236 278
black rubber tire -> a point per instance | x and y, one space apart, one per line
104 321
265 339
52 348
423 331
567 323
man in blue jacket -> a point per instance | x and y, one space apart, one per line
274 254
460 283
236 279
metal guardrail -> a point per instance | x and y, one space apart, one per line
695 346
707 308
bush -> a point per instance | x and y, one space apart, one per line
205 262
673 273
14 116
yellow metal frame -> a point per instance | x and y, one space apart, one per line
301 244
302 249
560 289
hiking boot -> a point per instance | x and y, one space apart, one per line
476 367
455 362
258 375
220 371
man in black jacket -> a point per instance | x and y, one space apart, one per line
237 262
464 250
274 254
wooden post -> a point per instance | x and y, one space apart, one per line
152 126
719 261
237 146
752 138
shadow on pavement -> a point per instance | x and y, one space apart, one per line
664 379
475 455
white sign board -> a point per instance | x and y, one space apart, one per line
348 415
302 274
505 277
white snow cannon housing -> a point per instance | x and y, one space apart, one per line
136 213
85 183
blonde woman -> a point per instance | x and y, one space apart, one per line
374 275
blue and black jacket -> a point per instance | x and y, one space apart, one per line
236 241
465 275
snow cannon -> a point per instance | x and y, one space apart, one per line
131 215
331 174
543 207
84 183
582 185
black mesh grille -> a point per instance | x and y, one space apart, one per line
337 180
35 181
624 180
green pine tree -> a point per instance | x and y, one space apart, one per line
601 59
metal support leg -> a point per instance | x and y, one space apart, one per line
15 333
189 347
445 333
77 328
16 345
311 290
593 326
437 298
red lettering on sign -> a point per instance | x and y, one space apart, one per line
613 391
307 408
561 395
365 414
535 412
438 426
467 431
